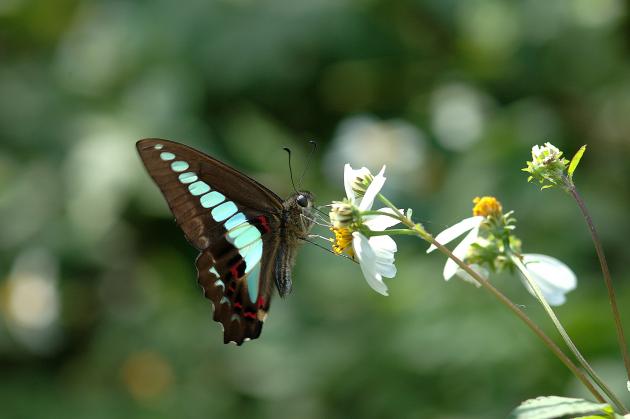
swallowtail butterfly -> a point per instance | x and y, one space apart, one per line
247 235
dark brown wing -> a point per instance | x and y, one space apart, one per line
232 220
191 216
242 319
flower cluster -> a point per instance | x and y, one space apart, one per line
489 245
489 241
486 245
547 166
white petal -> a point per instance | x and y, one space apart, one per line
456 230
375 187
386 269
553 277
362 248
384 248
450 268
348 177
367 261
468 278
381 222
383 244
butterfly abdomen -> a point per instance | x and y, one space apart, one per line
295 225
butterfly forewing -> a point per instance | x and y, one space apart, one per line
193 182
230 218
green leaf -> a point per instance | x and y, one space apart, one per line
576 160
553 407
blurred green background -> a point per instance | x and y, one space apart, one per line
100 314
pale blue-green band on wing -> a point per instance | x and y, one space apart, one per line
214 271
212 199
252 284
179 166
166 156
219 283
233 233
188 177
235 220
158 146
252 255
223 211
248 236
224 300
198 188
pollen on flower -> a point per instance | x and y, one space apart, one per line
342 241
487 206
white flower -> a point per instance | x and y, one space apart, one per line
374 254
546 152
554 278
470 225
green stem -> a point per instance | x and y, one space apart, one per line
605 272
388 214
565 336
418 230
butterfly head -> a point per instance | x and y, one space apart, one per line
300 207
304 199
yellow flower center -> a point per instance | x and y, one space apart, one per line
342 241
487 206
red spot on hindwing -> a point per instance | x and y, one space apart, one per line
236 271
231 288
261 302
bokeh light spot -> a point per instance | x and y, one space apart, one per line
146 375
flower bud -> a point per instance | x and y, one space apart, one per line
488 206
547 166
341 214
361 183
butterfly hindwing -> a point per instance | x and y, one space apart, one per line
231 219
240 299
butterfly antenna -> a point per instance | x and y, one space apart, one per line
288 150
308 161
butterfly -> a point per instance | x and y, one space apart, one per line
247 235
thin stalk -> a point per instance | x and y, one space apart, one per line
503 299
605 271
520 314
565 336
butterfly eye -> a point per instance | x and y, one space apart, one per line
302 201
